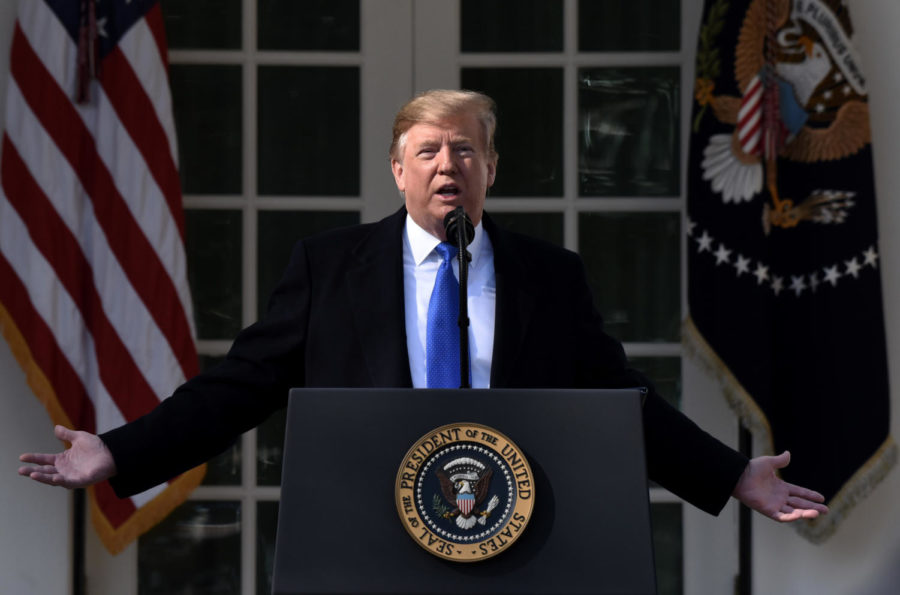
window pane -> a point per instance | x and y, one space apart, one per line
266 525
224 469
665 373
278 232
308 130
633 267
196 549
628 131
213 246
504 26
207 103
667 547
635 25
206 24
529 127
308 25
546 226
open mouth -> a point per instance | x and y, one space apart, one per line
448 190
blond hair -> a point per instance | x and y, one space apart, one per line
440 104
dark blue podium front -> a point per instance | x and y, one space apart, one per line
338 526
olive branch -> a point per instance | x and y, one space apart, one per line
437 505
709 63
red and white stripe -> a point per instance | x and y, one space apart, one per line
92 262
466 503
750 118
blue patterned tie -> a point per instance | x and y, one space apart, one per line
442 333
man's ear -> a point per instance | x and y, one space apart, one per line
397 170
491 173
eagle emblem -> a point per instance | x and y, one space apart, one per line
803 99
465 484
464 492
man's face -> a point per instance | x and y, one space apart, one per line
444 164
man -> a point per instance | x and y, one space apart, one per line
351 311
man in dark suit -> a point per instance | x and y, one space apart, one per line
351 312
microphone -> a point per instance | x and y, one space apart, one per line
459 228
460 232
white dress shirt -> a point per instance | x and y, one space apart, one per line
420 266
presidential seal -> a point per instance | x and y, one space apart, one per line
464 492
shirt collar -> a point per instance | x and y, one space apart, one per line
422 243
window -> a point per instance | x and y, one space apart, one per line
589 137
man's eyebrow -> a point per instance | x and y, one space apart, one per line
437 140
428 140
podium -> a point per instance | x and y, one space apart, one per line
339 530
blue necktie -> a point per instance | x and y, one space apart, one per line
442 332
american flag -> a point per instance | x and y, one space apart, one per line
94 299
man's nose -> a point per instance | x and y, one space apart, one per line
446 161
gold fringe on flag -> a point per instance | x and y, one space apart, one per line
34 376
860 485
147 515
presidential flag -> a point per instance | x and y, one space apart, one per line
94 298
784 286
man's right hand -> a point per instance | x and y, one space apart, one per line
86 462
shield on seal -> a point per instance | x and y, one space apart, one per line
465 502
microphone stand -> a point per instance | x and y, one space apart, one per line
460 233
463 321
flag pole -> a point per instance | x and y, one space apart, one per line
745 526
78 554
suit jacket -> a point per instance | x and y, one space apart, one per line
337 320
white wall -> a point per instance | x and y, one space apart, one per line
35 522
862 558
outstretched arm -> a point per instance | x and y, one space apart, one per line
762 490
85 463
